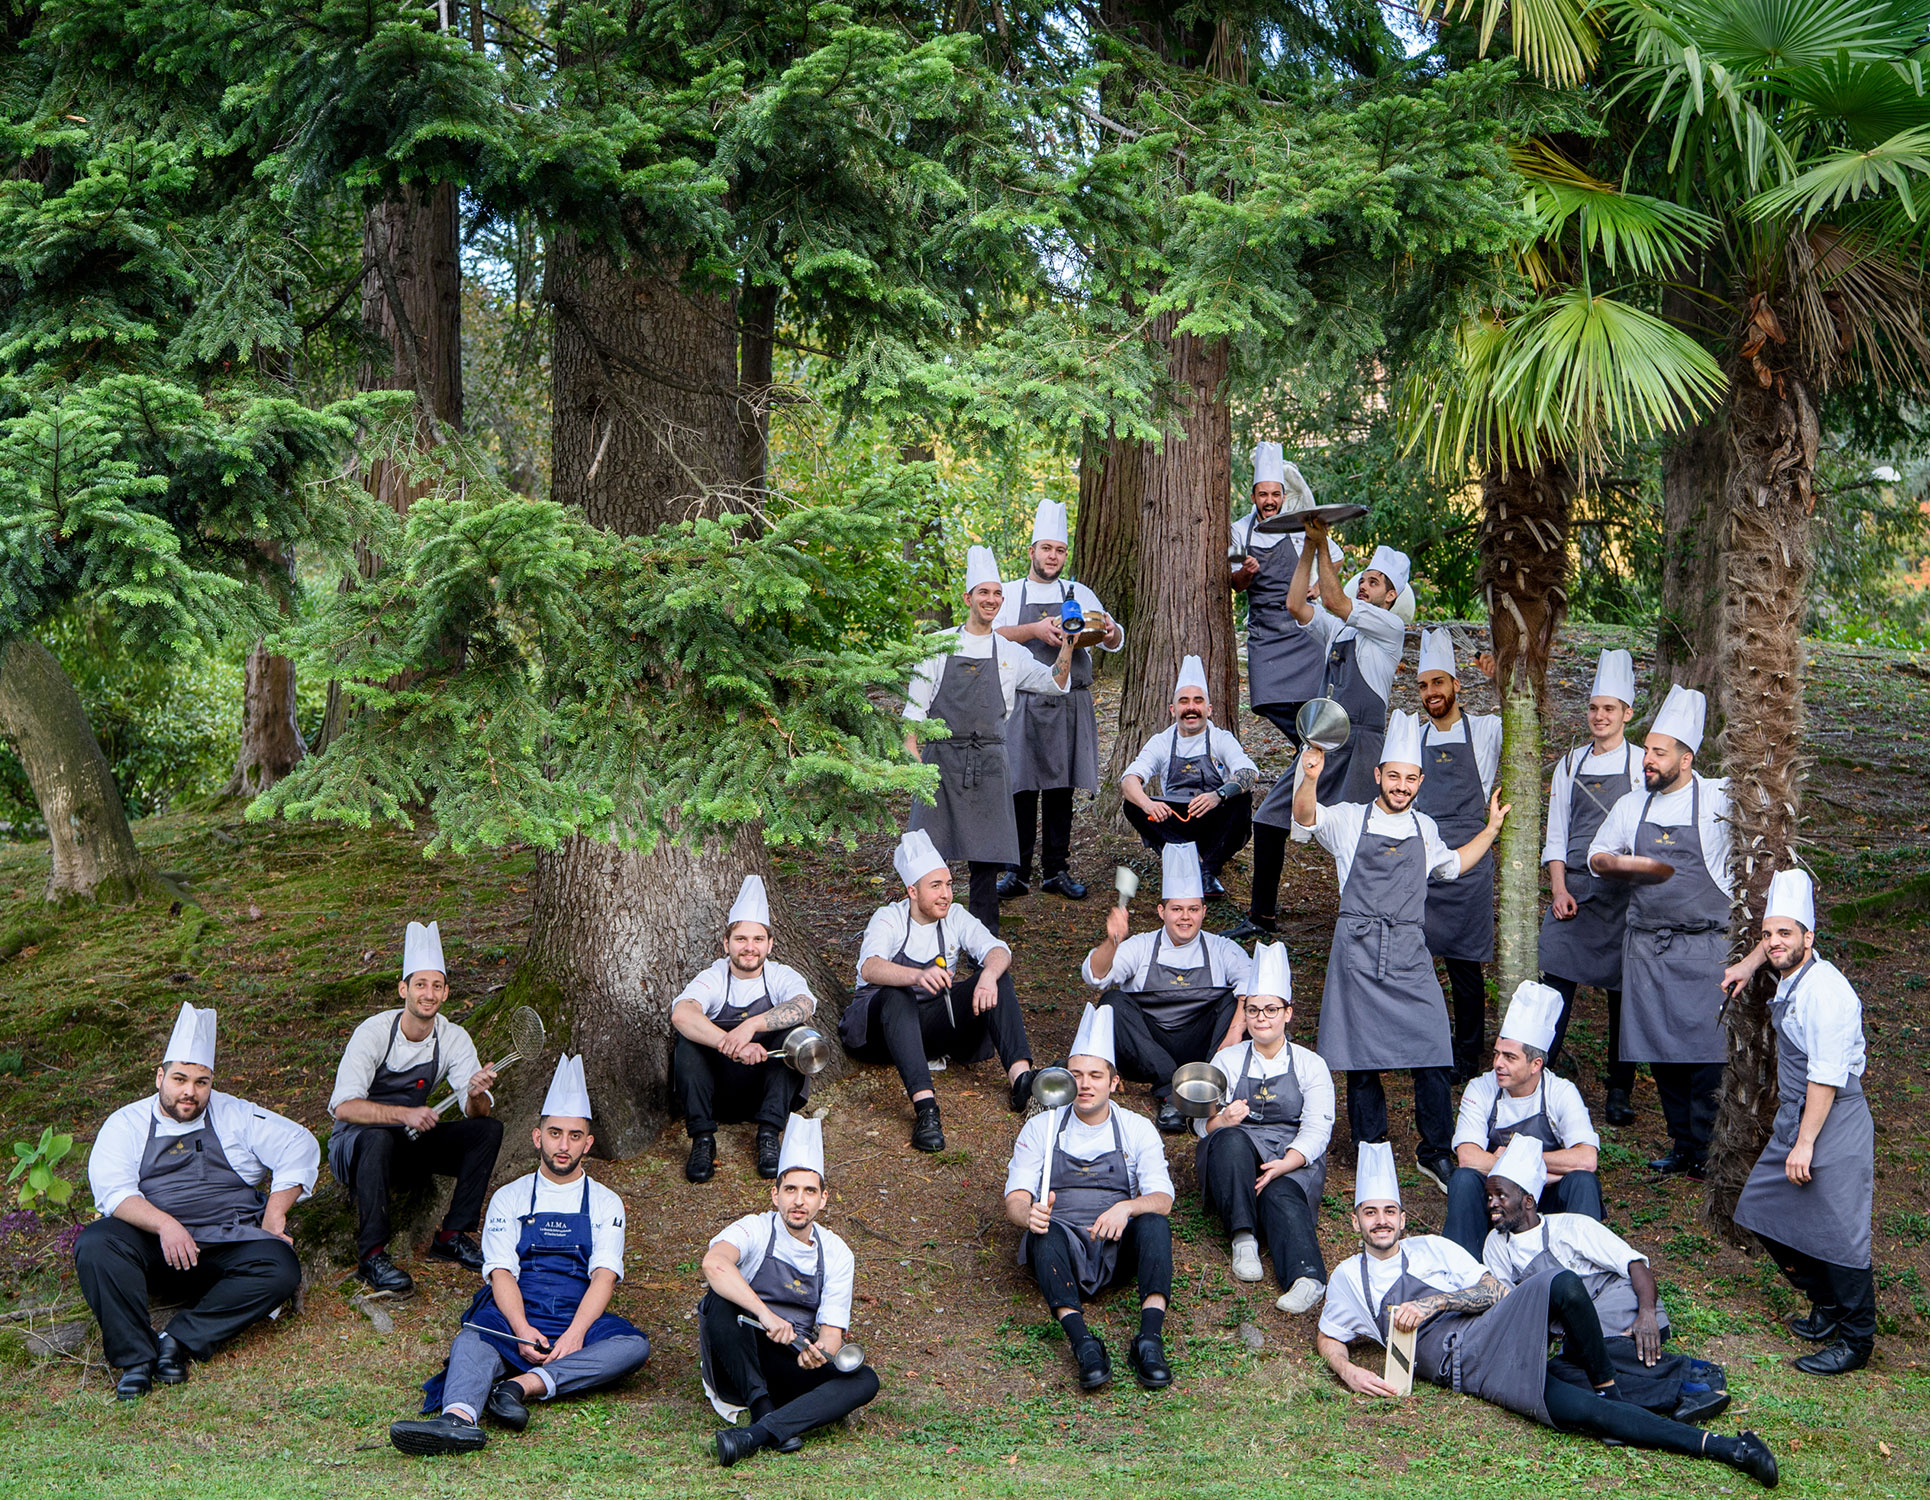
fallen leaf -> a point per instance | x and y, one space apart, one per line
1884 1449
1011 1460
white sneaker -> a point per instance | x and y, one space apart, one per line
1246 1259
1303 1296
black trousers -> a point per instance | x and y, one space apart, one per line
908 1027
1269 859
1619 1074
1433 1109
1149 1049
1466 1221
747 1369
385 1159
1844 1292
1468 985
121 1269
1145 1256
1281 716
982 895
1690 1093
1573 1409
1281 1215
1220 834
1056 804
713 1087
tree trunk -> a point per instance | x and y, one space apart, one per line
1695 476
87 834
756 380
1524 577
1765 556
1111 476
271 736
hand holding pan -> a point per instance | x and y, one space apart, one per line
1636 869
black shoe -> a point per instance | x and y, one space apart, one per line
171 1366
1149 1363
790 1445
1436 1169
384 1275
1211 888
135 1382
507 1406
769 1143
1250 927
1009 888
1616 1109
1095 1365
463 1250
734 1443
1753 1457
1676 1161
1839 1358
437 1434
701 1164
1819 1326
1169 1120
1063 884
926 1133
1701 1406
1022 1090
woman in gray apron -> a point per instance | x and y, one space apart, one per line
1587 947
1460 913
1228 1163
971 819
1167 1016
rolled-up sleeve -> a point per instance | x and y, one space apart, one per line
971 935
840 1278
1028 1155
1149 764
1832 1033
924 684
1147 1152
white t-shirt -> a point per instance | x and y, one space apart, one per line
1231 963
1379 638
1567 1111
1583 1245
1439 1262
1138 1138
1022 591
1486 730
1826 1021
752 1233
716 987
1316 1083
1019 670
1561 789
1228 758
355 1073
1337 826
891 927
1671 810
502 1224
259 1144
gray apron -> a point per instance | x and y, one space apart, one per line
1675 950
972 818
1052 739
1830 1217
1348 774
1283 657
1381 1006
854 1026
1460 913
408 1089
188 1176
793 1294
1085 1189
1587 948
1274 1106
1498 1355
1184 777
1537 1124
1658 1387
1178 998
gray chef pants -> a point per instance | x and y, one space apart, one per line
475 1366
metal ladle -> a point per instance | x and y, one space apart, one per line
1054 1088
847 1358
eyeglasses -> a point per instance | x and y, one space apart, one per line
1265 1012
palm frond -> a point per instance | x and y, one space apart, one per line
1858 303
1849 177
1557 40
1648 234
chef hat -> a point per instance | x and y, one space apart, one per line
422 949
1532 1015
1299 493
803 1147
916 857
1391 565
1272 974
980 567
1615 677
1403 743
1094 1038
1192 673
1792 895
751 905
1437 652
1049 523
1682 716
192 1040
1179 873
1521 1164
1269 464
569 1095
1376 1179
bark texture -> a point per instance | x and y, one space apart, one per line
1111 474
271 737
91 845
1696 474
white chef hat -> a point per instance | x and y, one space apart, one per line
916 857
1615 677
1681 719
1520 1162
1376 1179
569 1095
1272 974
1179 873
422 949
1094 1038
1391 564
1269 464
1403 743
751 905
981 567
1049 523
1532 1015
803 1147
192 1040
1299 494
1437 652
1792 895
1192 673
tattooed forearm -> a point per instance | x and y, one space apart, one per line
1477 1298
790 1013
1245 777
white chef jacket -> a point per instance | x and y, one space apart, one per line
1671 810
502 1224
1379 635
259 1144
1486 729
1248 538
1561 789
355 1073
716 987
1023 591
1583 1245
1431 1258
1316 1083
892 927
1231 963
1145 1151
1019 670
1826 1021
1227 756
752 1233
1567 1111
1336 829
